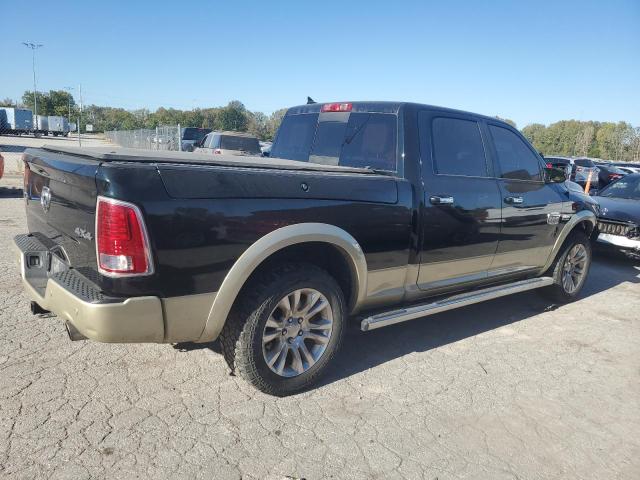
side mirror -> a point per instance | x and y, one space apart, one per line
555 175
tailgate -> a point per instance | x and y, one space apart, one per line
60 194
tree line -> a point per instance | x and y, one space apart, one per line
232 117
608 140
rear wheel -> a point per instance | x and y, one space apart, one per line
285 329
570 268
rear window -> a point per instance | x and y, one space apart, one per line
584 162
357 140
244 144
557 161
194 133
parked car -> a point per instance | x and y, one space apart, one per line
192 136
229 143
619 215
580 170
559 162
377 211
628 167
608 174
265 148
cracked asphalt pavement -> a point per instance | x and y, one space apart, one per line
511 389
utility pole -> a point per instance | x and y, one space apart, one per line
68 90
34 47
80 114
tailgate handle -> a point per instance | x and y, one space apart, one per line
441 200
514 200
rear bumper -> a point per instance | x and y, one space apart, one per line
73 298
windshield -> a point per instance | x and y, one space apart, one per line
627 187
362 140
243 144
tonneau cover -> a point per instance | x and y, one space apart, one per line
111 154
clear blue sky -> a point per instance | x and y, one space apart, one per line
535 61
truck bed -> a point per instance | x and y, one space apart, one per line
119 154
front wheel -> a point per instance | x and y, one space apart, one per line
285 328
570 269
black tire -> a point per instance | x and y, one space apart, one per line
557 292
241 337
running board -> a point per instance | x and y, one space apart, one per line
469 298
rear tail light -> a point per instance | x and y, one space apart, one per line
336 107
549 165
217 151
122 243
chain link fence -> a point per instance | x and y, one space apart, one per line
164 137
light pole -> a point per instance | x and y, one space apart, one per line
68 89
34 47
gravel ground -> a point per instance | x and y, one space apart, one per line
510 389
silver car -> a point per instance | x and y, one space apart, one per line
229 143
580 170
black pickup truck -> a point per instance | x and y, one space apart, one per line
375 211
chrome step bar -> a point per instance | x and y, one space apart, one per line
461 300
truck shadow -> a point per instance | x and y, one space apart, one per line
363 351
12 148
10 192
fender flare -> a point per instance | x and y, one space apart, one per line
576 219
267 246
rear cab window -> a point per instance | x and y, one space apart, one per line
361 139
240 143
457 147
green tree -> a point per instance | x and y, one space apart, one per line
44 104
275 119
234 117
7 102
258 125
507 120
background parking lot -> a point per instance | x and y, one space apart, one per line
513 388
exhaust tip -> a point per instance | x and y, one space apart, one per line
74 334
37 309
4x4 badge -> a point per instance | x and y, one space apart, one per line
553 218
82 233
45 199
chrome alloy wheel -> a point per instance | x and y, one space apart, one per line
297 332
574 268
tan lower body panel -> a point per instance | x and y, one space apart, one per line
137 319
185 317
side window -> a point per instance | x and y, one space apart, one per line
207 141
517 161
457 147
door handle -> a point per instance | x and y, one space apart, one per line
441 200
514 200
